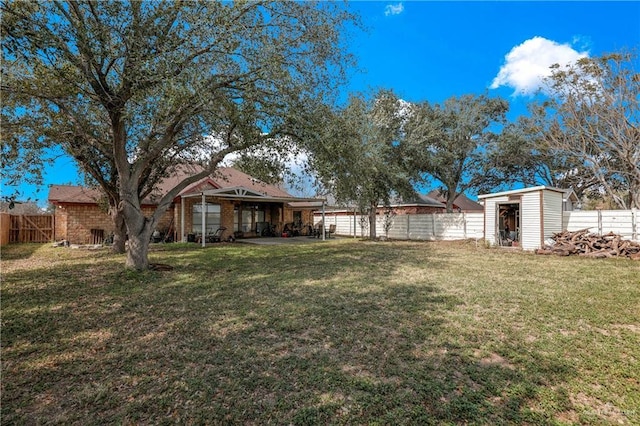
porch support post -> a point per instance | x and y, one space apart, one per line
184 237
323 222
204 225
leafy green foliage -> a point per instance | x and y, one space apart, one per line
523 156
452 142
132 90
592 119
361 157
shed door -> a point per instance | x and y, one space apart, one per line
507 223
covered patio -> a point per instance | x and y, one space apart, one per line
235 213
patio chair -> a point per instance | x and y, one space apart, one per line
216 237
332 230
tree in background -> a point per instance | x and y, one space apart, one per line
134 90
452 143
522 156
592 118
361 158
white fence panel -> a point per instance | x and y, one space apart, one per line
421 227
451 226
344 224
475 225
618 222
622 222
447 226
399 228
457 226
577 220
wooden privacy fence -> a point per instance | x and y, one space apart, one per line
26 228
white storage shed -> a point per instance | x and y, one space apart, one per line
525 217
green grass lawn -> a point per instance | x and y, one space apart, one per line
342 332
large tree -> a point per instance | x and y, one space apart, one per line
452 142
592 116
522 156
133 90
360 158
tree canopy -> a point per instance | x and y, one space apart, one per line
452 142
592 118
361 158
133 89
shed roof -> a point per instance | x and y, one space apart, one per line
565 192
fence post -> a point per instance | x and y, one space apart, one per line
599 222
634 223
408 225
464 223
433 225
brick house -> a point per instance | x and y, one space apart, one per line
228 198
420 204
462 203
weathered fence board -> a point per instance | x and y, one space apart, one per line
26 228
5 228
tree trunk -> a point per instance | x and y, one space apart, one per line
449 206
373 209
139 229
120 230
138 253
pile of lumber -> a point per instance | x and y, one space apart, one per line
584 243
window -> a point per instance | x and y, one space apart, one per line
212 219
247 214
249 217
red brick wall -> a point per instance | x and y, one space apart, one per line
74 222
60 223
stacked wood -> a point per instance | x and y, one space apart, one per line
584 243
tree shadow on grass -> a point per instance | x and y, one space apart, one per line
18 251
297 336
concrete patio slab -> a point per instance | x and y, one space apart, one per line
273 241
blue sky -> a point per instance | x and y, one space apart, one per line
430 51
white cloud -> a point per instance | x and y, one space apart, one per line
394 9
528 63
